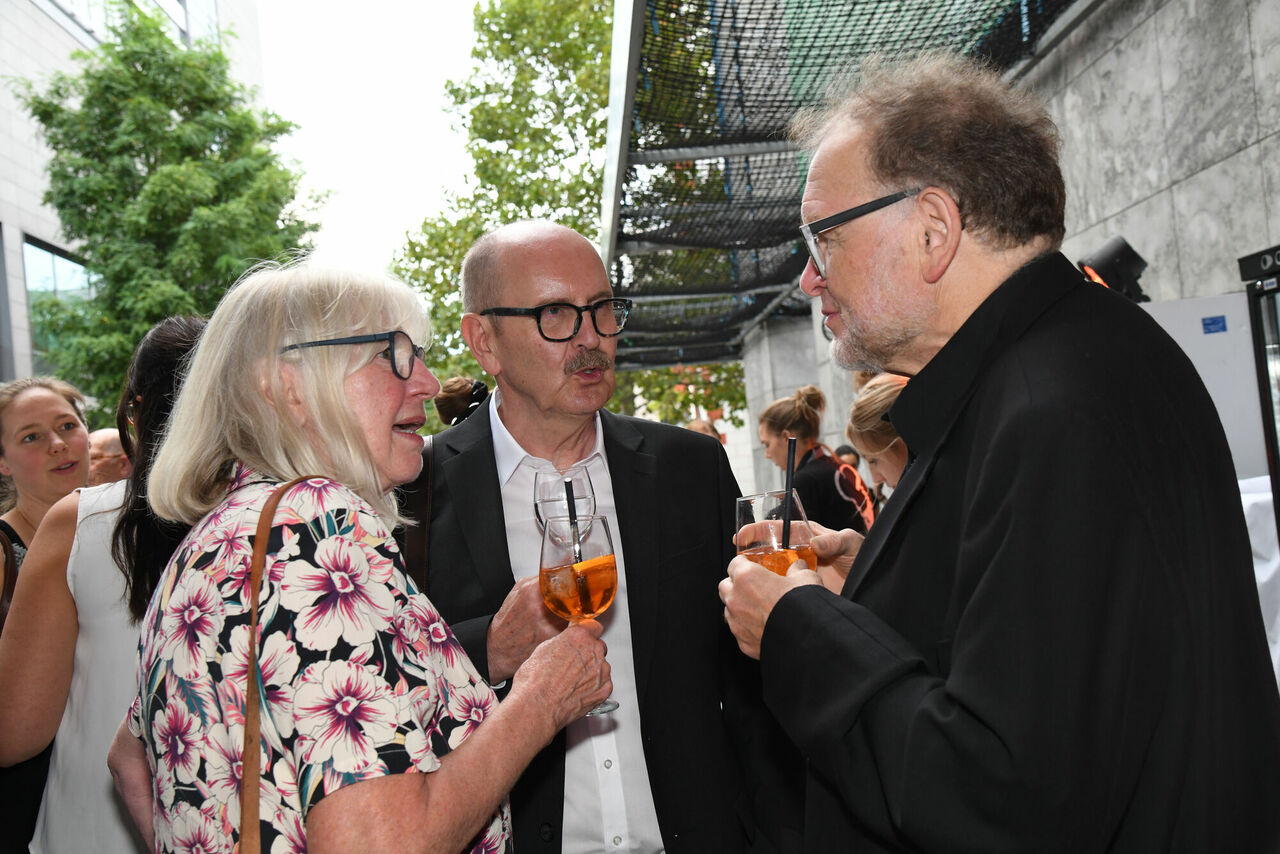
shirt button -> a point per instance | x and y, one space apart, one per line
608 763
617 840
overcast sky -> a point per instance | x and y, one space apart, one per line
365 82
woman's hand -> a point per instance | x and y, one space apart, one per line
127 759
568 674
563 678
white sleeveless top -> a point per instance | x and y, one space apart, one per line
81 811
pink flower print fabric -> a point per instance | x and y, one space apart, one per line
360 675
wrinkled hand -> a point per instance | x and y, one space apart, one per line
520 625
567 674
749 594
836 551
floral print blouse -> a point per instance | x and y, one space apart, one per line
360 675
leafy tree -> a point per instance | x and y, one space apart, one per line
535 108
164 176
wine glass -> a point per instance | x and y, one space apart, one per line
549 494
578 573
760 528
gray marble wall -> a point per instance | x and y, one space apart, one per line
1170 118
778 358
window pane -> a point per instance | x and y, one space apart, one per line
37 265
72 280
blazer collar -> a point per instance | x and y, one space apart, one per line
471 477
932 401
634 472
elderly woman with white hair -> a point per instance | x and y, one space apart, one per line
376 732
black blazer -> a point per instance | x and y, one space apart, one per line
675 495
1051 639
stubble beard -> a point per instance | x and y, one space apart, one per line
885 330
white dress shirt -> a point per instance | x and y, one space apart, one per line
608 805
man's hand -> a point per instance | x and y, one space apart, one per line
836 551
749 594
520 625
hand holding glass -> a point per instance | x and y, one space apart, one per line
579 573
760 531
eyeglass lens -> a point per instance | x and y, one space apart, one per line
817 253
402 354
561 322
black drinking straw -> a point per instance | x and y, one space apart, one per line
786 497
573 520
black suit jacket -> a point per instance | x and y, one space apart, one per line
675 495
1051 639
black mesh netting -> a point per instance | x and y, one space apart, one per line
707 240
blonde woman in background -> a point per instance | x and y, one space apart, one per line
872 435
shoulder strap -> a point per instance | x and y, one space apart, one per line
10 577
250 841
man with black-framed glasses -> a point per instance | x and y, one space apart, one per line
660 772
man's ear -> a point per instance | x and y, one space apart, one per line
939 238
479 335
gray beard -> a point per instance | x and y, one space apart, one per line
860 349
850 357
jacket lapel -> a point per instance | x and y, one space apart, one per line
471 477
935 398
908 487
635 496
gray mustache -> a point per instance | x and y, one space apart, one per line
589 360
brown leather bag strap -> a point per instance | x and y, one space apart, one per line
250 841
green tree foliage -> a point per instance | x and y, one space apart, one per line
535 108
163 175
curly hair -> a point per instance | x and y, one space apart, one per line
950 121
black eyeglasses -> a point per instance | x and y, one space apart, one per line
810 230
401 351
560 321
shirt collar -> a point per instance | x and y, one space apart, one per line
931 401
507 452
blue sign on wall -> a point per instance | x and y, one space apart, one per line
1217 323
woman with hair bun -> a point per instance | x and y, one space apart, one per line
832 494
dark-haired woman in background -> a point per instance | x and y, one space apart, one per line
458 398
828 492
67 656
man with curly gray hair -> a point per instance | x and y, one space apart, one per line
1050 640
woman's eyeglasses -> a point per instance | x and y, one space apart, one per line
401 350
